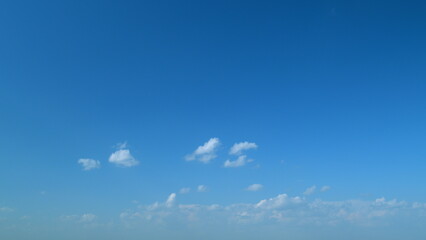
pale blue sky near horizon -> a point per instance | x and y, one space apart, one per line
331 93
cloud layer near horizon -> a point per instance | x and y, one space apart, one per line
281 209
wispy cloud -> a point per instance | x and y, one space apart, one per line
254 187
206 152
89 164
171 200
84 218
123 158
325 188
88 217
309 190
184 190
201 188
238 148
6 209
121 145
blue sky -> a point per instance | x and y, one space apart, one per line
212 119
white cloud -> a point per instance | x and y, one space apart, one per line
309 190
123 158
254 187
201 188
281 209
241 161
184 190
89 164
206 152
238 148
325 188
88 217
277 202
171 200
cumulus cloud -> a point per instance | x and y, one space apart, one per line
89 164
325 188
254 187
184 190
238 148
206 152
201 188
241 161
309 190
123 158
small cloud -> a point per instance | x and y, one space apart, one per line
238 148
309 190
171 200
325 188
89 164
6 209
278 202
122 145
206 152
69 217
184 190
254 187
201 188
85 218
88 217
123 158
241 161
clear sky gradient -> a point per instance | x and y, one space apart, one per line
118 119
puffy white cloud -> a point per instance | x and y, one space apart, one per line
184 190
201 188
309 190
206 152
325 188
241 161
238 148
254 187
89 164
171 200
123 158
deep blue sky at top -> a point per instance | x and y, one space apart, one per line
333 92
